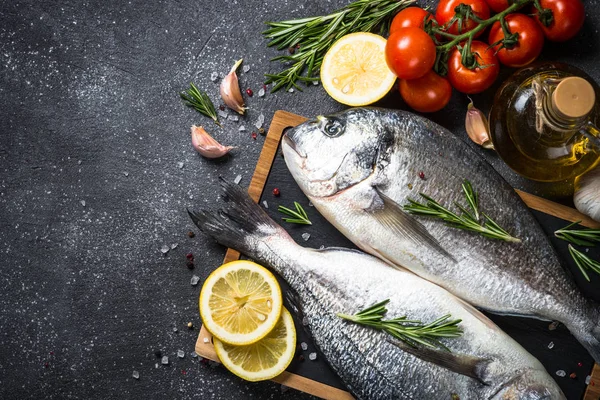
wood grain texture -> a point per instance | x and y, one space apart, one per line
282 120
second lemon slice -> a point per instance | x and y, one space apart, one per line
240 302
354 71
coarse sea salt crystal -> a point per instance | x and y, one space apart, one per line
259 122
315 83
588 379
180 353
165 249
312 356
234 118
180 165
265 204
261 92
195 279
305 236
291 90
305 321
242 128
222 113
82 202
136 375
237 179
551 345
174 246
206 340
214 76
561 373
193 354
553 325
304 346
246 68
164 360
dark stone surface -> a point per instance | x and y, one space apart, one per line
96 170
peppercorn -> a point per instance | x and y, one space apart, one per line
261 131
190 264
291 50
254 135
249 92
190 256
191 234
573 375
276 192
190 325
422 175
301 358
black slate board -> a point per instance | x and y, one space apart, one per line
534 335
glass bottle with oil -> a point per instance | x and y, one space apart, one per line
543 122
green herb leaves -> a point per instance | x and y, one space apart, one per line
467 219
298 217
308 39
581 237
409 331
200 102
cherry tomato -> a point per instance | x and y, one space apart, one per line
497 5
445 12
428 93
529 44
568 17
476 80
410 16
410 53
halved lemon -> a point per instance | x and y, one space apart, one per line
240 302
354 71
264 359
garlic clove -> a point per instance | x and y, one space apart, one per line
230 90
477 127
587 194
206 145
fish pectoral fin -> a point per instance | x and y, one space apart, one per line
392 216
470 366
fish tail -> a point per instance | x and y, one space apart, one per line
588 334
241 225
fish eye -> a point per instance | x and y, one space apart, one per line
332 127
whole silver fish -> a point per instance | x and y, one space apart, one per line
359 167
486 363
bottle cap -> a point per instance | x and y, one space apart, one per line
574 97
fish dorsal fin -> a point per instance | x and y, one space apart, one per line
393 217
463 364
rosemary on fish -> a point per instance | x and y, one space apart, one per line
584 262
308 39
581 237
411 332
467 220
200 102
298 217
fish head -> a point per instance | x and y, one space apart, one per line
332 153
533 384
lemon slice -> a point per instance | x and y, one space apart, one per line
354 71
240 302
264 359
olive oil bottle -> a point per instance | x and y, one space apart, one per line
543 122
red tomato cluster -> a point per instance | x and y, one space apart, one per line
411 52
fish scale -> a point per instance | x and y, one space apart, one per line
523 278
331 281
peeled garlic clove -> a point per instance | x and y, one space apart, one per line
230 90
587 194
205 144
477 127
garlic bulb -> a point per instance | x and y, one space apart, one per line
230 90
206 145
587 194
477 127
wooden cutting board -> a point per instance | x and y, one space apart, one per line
281 121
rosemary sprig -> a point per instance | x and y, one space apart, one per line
467 220
315 35
200 102
581 237
299 216
411 332
584 262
